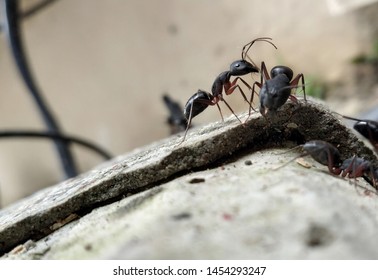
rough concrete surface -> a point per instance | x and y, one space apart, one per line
217 195
103 66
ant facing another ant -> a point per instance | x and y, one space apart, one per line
198 102
275 90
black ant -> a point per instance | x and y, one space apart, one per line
198 102
276 89
176 118
328 155
367 128
321 151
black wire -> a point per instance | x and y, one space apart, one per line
33 10
36 8
12 26
49 135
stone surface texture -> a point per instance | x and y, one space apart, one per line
224 193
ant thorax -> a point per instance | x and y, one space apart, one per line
275 92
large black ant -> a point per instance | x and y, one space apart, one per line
328 155
367 128
198 102
277 87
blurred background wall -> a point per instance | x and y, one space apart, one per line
104 65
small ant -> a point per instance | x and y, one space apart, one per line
198 102
328 155
367 128
276 89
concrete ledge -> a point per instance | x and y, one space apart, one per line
147 204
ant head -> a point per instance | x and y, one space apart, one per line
277 70
242 67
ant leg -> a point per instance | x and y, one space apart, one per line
331 167
230 88
264 72
295 82
188 125
212 102
354 170
357 171
220 112
252 94
350 169
229 107
293 98
264 75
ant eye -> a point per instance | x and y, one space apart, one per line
275 95
237 65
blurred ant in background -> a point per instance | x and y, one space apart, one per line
176 119
368 129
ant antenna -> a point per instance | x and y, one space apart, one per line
246 47
299 147
355 119
351 118
295 158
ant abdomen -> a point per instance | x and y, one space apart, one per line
200 99
323 152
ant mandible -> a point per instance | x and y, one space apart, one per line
276 89
198 102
